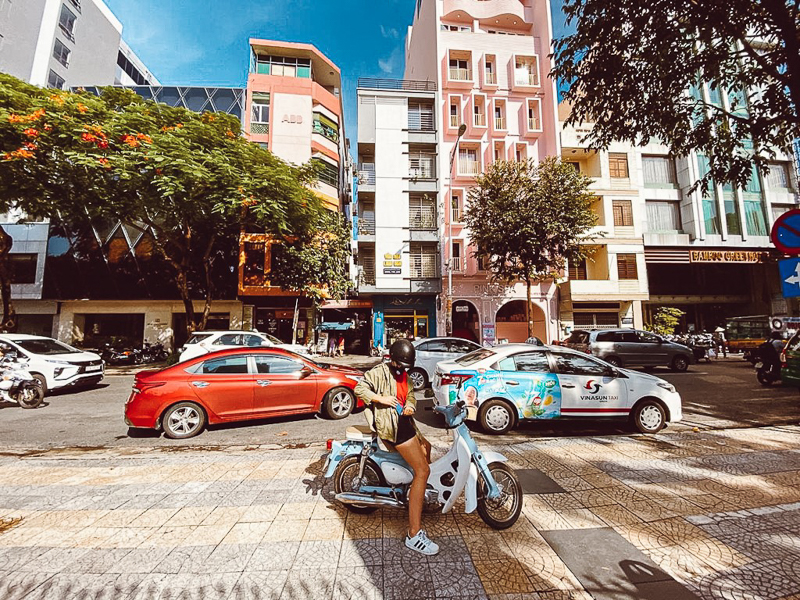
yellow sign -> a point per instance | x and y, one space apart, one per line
728 256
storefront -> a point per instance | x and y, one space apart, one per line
395 317
281 315
356 313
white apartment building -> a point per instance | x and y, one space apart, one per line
398 210
489 60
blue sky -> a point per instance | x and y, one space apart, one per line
204 42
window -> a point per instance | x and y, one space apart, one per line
423 261
663 215
422 165
252 341
422 212
46 347
499 116
626 266
255 258
459 65
605 336
446 27
532 362
778 176
646 337
225 366
577 270
454 118
259 114
434 346
131 70
455 201
490 77
275 365
461 346
623 213
66 21
61 53
474 357
284 66
468 161
23 267
54 80
327 172
574 165
534 114
326 127
526 71
483 263
576 364
420 116
659 171
618 166
229 339
629 337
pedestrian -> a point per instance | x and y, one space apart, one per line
390 399
331 345
341 345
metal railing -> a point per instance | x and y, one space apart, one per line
422 217
460 74
499 123
420 120
366 174
454 121
490 78
479 120
411 85
533 124
457 215
366 222
423 266
455 263
526 79
422 166
468 167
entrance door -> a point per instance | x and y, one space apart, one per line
225 386
282 386
589 387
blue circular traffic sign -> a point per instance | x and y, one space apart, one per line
786 232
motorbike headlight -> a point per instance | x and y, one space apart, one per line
667 386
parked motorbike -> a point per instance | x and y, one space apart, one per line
366 477
17 384
118 356
150 353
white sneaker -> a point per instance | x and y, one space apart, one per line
420 543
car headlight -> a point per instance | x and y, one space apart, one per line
57 362
667 386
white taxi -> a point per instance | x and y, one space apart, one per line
510 382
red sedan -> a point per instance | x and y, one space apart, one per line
236 385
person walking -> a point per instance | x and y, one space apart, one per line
386 391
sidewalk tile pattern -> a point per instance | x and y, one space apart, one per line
719 511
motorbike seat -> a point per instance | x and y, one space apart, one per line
364 433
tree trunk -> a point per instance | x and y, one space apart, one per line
529 308
209 282
9 315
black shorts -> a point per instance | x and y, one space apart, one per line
405 429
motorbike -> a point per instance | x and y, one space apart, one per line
366 476
118 356
767 365
18 385
150 353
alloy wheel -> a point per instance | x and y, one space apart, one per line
341 403
184 420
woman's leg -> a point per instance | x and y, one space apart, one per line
414 454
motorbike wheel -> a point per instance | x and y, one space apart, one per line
503 512
764 378
345 479
30 396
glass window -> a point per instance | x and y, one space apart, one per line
198 337
229 339
67 21
623 213
433 346
576 364
532 362
626 266
326 127
659 171
629 337
663 215
61 52
507 364
473 357
277 365
778 176
23 267
462 346
618 166
46 346
224 366
254 341
648 338
54 80
606 336
578 337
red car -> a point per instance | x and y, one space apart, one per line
236 385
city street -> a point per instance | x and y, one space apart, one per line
719 394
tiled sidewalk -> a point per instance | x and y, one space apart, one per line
719 511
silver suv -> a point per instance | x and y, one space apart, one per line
631 348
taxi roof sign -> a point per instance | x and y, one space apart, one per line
786 232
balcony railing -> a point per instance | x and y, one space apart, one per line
366 223
259 128
366 276
454 121
457 215
468 167
533 124
479 120
422 217
422 166
455 263
396 84
499 123
460 74
491 79
420 121
423 266
366 174
526 79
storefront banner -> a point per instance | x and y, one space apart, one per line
727 256
344 304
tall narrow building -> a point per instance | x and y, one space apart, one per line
489 60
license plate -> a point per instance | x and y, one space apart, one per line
94 367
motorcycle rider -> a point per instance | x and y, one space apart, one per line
387 392
770 351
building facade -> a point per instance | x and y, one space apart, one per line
398 218
293 106
489 59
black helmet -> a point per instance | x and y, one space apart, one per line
403 353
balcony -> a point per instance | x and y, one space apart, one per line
366 176
604 289
460 74
422 166
420 119
526 79
454 121
479 120
366 225
468 167
424 265
490 79
534 124
500 123
455 264
457 215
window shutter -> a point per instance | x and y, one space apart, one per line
623 213
626 266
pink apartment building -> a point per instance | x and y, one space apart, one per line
490 61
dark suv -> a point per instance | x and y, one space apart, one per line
631 348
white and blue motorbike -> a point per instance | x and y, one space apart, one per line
366 476
17 384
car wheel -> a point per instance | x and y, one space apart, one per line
649 417
680 363
496 417
419 378
42 380
183 420
614 361
338 403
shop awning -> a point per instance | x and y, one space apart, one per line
334 326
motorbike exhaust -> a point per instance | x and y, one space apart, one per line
368 499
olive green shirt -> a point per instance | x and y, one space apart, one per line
377 382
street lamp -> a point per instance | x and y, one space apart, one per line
449 207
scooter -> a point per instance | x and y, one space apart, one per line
18 385
367 476
767 373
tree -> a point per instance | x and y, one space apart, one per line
529 219
666 320
186 179
634 67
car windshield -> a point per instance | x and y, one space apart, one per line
198 337
46 346
272 338
473 357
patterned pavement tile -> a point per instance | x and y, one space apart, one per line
274 556
361 553
363 526
307 584
456 580
358 583
410 578
502 577
487 547
262 585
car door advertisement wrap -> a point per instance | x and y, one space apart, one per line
536 395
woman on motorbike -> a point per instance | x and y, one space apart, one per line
386 391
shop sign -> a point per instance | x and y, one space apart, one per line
405 301
392 271
292 119
490 289
347 304
488 333
727 256
462 308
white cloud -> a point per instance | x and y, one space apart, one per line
390 33
393 62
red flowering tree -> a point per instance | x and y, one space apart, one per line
185 178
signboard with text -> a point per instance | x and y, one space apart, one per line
727 256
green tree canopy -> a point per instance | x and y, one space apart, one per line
528 219
634 70
188 179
